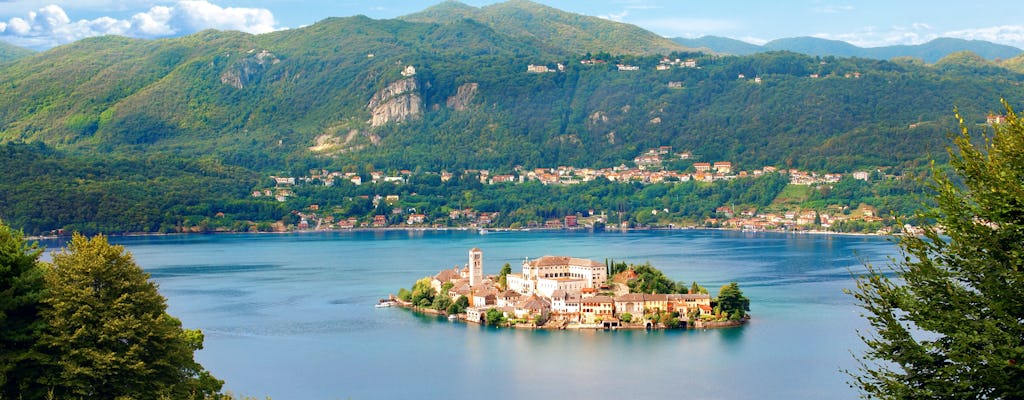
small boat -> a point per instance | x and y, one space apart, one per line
385 303
453 317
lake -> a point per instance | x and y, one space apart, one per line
291 316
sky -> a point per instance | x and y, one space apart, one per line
867 23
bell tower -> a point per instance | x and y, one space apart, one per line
476 267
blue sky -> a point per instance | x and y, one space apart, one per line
868 23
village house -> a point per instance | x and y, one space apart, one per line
532 307
596 308
566 303
538 69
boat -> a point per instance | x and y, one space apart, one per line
385 303
453 317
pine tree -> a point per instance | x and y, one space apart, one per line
21 290
952 325
109 332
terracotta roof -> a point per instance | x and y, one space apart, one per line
630 297
447 274
599 299
533 303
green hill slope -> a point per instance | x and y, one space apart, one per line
327 94
572 33
10 52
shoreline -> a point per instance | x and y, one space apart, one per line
566 326
422 229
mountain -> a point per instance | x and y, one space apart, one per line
10 52
929 52
401 94
113 133
817 47
573 33
721 45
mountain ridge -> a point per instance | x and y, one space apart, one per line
930 52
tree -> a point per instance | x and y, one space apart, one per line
949 324
422 293
109 333
732 302
503 276
21 291
459 306
494 317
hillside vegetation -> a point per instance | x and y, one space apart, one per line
139 122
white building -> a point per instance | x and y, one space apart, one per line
548 274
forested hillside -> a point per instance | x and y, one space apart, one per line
141 121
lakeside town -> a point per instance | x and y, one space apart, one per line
561 292
653 166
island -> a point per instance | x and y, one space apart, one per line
561 292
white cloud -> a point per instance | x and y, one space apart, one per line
1012 35
615 17
50 26
919 33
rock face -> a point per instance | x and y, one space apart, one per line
399 101
248 69
460 101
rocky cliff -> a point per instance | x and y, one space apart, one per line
460 101
248 69
399 101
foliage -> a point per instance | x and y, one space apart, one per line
404 294
731 302
697 289
949 324
21 292
422 293
441 302
109 334
494 317
626 317
458 306
652 280
503 276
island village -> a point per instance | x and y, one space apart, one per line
560 292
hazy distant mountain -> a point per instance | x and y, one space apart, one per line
10 52
722 45
573 33
930 52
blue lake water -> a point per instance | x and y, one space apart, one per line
292 316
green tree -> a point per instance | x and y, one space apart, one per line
422 293
109 333
459 306
949 325
21 291
494 317
441 303
732 302
503 276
